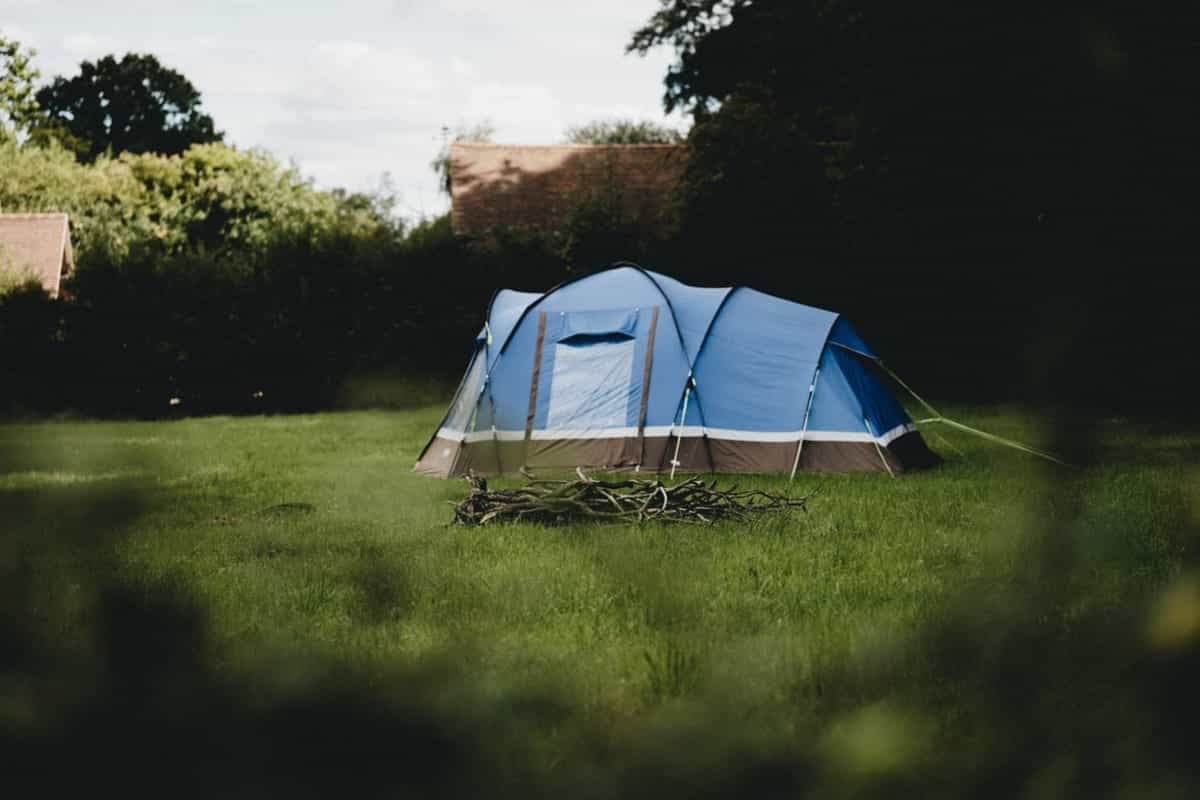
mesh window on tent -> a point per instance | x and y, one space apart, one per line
590 384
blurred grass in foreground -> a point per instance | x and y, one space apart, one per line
260 605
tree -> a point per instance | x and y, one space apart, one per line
371 212
623 131
134 105
1004 160
480 132
18 76
759 188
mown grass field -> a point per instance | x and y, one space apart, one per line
306 539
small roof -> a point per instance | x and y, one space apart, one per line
39 244
537 186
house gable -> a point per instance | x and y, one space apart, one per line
38 245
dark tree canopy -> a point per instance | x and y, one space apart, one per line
1002 160
133 105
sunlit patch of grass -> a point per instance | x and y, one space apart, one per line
205 475
35 479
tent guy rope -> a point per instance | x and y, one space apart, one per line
939 418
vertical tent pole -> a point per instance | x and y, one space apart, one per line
474 423
475 410
812 390
474 417
683 421
878 449
487 386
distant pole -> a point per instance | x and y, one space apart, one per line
682 423
812 390
878 449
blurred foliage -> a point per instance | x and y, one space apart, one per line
13 279
18 79
130 105
212 198
623 131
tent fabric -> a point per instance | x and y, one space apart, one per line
622 368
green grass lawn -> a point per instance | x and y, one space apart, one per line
310 535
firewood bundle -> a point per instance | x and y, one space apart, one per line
549 501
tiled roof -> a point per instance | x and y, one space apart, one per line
39 244
536 186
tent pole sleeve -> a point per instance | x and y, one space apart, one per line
878 449
646 386
812 390
533 387
683 421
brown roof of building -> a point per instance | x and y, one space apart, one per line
537 186
38 244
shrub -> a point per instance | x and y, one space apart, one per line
212 197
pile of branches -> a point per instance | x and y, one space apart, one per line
692 501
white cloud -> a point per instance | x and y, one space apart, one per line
462 69
88 45
623 111
353 110
521 112
619 12
239 76
354 80
22 35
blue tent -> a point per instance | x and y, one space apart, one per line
629 369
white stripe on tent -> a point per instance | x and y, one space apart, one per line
687 432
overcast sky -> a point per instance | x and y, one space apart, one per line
352 89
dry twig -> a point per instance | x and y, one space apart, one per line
692 501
